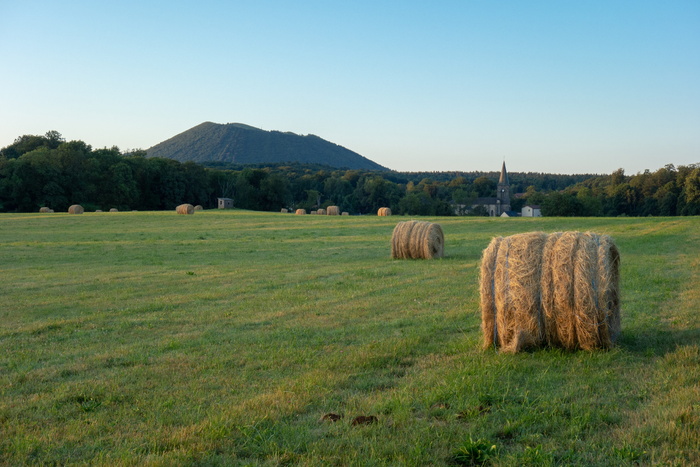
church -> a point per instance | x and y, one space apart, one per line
500 204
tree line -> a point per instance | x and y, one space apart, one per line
38 171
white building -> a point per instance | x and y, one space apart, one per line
531 211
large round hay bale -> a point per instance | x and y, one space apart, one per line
559 289
300 212
321 212
417 240
199 207
114 210
185 209
384 212
333 211
76 209
284 210
44 209
345 213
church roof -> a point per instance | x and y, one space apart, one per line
504 175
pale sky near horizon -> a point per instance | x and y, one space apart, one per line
547 86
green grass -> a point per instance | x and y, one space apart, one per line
223 338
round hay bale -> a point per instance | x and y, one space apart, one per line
76 209
50 210
333 211
284 210
417 240
98 210
44 209
345 213
384 212
185 209
199 208
114 210
321 212
560 290
300 212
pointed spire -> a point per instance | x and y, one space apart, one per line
504 175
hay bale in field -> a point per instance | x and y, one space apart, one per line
284 210
417 240
345 213
199 207
300 212
113 210
321 212
98 210
333 211
44 209
50 210
185 209
76 209
384 212
560 290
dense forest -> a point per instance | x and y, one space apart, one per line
38 171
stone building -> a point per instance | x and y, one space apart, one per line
499 204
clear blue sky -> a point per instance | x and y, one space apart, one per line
549 86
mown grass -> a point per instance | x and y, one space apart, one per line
224 337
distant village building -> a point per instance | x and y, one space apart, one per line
225 203
531 211
500 205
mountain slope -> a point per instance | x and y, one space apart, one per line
242 144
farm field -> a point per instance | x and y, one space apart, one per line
224 337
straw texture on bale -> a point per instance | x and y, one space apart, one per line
559 290
384 212
44 209
321 212
199 207
114 210
300 212
76 209
284 210
185 209
333 211
417 240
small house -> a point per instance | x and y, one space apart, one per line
225 203
531 211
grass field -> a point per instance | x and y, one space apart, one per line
148 338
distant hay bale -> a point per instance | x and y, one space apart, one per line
199 208
313 213
185 209
333 211
98 210
114 210
321 212
44 209
284 210
300 212
50 210
384 212
76 209
417 240
559 290
345 213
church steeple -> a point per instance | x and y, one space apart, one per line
504 175
503 191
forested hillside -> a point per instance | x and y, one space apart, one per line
38 171
244 144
